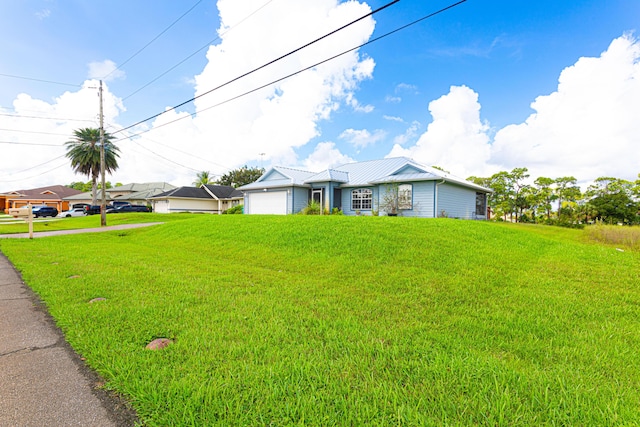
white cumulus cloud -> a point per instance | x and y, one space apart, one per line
105 70
588 127
456 139
324 156
362 137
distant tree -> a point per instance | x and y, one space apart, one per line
567 190
545 195
80 186
84 152
86 186
242 176
612 200
615 208
203 178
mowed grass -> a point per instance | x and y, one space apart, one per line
10 225
345 321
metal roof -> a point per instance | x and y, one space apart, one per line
367 173
330 175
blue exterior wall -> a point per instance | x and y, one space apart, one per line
452 200
422 200
298 199
346 200
456 201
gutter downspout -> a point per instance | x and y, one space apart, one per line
435 197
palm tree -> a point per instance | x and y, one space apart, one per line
84 152
203 178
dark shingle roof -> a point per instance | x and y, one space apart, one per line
184 192
223 191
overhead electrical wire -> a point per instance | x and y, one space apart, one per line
187 153
208 44
154 39
168 160
31 143
264 65
39 80
34 176
47 118
33 131
301 70
37 166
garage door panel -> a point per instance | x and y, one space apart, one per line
271 202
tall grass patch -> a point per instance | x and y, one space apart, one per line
318 320
627 237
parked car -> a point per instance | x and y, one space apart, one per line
44 211
85 206
118 203
129 208
72 212
93 210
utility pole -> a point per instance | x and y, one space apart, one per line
103 203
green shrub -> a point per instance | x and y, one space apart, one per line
313 208
239 209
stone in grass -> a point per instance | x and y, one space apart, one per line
159 344
97 300
75 276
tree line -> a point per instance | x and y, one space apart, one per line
561 201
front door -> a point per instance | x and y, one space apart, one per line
316 196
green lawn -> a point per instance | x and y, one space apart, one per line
10 225
347 321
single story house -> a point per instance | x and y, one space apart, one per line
207 198
393 186
134 193
54 195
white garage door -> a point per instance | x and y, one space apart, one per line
271 202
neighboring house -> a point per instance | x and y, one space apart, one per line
135 193
54 196
207 198
364 187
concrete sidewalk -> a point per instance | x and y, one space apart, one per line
43 382
77 231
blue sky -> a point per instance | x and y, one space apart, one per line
455 90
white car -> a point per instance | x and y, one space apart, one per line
72 212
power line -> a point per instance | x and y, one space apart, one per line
264 65
154 39
39 80
31 143
33 131
187 153
36 166
301 70
34 176
196 52
168 160
46 118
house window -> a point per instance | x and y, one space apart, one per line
405 196
361 199
481 204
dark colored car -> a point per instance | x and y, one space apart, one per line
116 204
129 208
93 210
43 211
